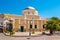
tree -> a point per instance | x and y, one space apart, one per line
52 24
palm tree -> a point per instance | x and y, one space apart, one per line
52 24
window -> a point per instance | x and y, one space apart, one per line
35 26
32 12
30 26
1 23
43 26
28 12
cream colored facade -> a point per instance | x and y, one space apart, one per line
29 20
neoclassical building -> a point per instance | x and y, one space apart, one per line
28 20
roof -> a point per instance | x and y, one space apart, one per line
44 19
30 7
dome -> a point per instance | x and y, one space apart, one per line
30 8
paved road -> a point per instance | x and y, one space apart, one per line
44 37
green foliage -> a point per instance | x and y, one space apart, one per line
53 24
7 31
55 18
43 33
13 32
33 32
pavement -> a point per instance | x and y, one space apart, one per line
43 37
26 34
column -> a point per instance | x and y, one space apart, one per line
28 25
37 24
19 23
25 21
33 24
13 23
42 24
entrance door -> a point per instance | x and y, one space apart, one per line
22 28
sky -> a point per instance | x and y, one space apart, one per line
45 8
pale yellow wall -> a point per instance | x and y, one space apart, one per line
20 22
27 26
16 23
26 11
30 12
39 25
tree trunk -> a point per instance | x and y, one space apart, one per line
51 32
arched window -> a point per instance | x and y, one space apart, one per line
44 26
35 26
30 26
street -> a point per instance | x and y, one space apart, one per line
43 37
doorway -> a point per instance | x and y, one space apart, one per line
22 28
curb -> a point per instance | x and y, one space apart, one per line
21 36
25 36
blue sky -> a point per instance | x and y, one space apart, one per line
46 8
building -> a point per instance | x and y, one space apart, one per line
1 22
29 20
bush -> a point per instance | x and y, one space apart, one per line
13 32
33 32
7 31
43 33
